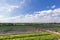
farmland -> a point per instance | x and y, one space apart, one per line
31 36
29 31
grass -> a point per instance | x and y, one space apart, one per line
30 36
13 28
57 30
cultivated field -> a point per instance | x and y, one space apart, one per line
30 36
29 31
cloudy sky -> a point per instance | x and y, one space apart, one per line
27 11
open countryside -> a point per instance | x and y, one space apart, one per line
30 31
29 19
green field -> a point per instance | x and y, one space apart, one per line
30 36
29 32
29 27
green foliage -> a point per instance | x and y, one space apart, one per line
30 36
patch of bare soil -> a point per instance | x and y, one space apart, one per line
57 33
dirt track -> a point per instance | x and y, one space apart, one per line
53 32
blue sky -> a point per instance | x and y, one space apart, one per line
26 11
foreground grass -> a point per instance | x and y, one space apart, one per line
30 36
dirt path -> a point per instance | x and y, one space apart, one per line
57 33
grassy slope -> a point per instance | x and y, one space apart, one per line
31 36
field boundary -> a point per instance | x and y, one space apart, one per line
57 33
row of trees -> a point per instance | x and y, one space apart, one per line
27 24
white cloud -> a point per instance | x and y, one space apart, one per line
6 10
40 16
53 6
